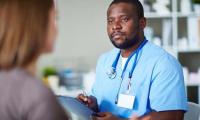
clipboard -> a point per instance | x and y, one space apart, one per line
73 105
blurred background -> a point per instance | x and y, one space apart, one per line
171 24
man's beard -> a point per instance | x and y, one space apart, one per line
128 43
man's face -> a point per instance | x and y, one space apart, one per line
123 25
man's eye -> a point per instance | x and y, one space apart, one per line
109 21
125 19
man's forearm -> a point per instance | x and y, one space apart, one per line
165 115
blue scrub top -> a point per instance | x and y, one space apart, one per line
157 83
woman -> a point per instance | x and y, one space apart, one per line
27 29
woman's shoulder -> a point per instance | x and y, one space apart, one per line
24 86
36 97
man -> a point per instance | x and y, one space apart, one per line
138 77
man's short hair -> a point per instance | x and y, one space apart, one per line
136 3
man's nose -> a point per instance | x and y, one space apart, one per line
117 25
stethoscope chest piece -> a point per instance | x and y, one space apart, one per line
111 73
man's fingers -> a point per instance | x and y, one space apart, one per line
102 114
85 99
82 97
134 118
97 116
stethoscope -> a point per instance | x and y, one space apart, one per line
112 72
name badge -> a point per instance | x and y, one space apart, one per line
126 101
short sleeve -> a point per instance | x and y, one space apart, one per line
167 91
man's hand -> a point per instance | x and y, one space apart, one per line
165 115
110 116
89 101
105 116
134 118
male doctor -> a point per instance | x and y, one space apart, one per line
137 77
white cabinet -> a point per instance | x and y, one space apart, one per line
178 31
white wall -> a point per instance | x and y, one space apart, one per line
82 34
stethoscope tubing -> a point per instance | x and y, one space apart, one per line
114 65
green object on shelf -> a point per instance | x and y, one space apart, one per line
47 71
151 2
196 1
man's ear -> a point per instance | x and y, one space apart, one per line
142 23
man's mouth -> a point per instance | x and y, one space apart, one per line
117 35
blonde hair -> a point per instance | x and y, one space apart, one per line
23 31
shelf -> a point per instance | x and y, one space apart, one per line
189 50
64 92
179 50
192 84
191 14
156 15
172 14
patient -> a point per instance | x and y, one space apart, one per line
27 29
